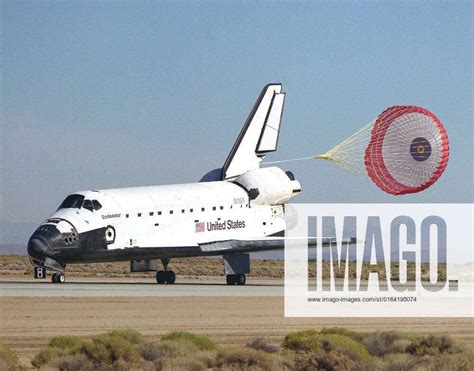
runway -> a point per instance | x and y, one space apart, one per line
138 288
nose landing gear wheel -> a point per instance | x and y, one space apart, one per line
165 277
58 278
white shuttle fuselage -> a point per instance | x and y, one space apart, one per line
231 211
177 215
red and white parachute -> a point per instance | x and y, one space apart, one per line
404 150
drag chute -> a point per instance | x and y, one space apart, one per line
404 150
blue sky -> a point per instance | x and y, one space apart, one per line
101 95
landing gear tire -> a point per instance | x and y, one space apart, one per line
160 279
58 278
230 279
236 279
241 279
171 277
165 277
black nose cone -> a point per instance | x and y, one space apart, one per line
37 248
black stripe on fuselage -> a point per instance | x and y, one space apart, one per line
68 256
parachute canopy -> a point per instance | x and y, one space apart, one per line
404 150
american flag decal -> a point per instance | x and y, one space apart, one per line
200 227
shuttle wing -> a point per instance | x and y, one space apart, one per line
259 134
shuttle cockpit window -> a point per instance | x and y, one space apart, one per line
87 204
96 205
91 205
72 202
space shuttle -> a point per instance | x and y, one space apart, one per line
230 212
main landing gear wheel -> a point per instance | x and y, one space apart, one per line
58 278
165 277
236 279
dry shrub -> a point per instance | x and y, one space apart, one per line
114 348
261 344
333 361
402 362
354 335
199 341
329 349
432 345
189 363
321 361
47 355
66 342
245 358
305 340
319 343
5 365
157 350
209 358
122 365
8 359
447 362
129 335
111 347
171 352
73 362
198 360
341 344
386 342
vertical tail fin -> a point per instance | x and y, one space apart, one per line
259 134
